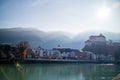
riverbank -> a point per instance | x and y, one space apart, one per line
32 61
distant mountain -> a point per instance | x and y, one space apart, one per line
35 37
50 39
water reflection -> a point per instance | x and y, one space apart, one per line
59 72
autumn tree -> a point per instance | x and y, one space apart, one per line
22 48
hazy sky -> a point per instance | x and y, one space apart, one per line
72 16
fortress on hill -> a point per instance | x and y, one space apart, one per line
95 40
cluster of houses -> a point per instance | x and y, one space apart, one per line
68 53
13 51
61 53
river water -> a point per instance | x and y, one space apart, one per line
58 71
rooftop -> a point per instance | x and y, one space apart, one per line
66 49
99 36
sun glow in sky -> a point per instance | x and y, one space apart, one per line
103 13
72 16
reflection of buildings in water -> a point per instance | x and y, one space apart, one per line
62 72
30 71
53 70
100 71
86 71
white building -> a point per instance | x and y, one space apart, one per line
96 39
66 52
100 38
39 52
90 55
56 53
53 54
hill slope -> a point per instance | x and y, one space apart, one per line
49 39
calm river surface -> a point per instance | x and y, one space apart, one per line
58 71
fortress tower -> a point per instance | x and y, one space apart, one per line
96 39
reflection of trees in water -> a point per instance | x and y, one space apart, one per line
61 72
10 72
3 75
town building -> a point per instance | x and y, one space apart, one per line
30 53
67 53
39 52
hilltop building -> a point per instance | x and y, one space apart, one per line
95 40
103 49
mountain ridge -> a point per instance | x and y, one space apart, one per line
50 39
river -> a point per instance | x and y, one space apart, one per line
58 71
